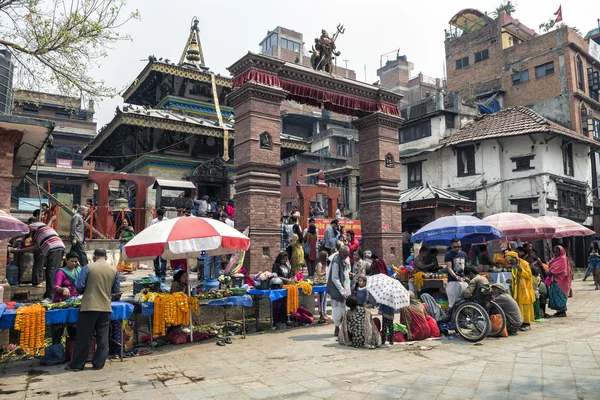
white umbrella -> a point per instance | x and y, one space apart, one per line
388 291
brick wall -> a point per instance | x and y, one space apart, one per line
288 193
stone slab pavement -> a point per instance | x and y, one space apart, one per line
558 359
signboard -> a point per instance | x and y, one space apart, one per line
64 163
594 50
30 203
348 224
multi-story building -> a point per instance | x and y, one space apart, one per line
556 74
60 167
396 76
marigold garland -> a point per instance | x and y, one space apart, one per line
306 287
292 298
419 280
31 322
172 310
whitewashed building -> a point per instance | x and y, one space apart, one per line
512 160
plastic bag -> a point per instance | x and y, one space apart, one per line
54 355
496 320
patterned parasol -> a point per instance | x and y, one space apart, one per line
388 291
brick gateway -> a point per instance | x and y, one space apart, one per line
260 84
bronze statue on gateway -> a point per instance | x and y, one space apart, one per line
324 50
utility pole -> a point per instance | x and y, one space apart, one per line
346 66
365 73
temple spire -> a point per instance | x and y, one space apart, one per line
192 55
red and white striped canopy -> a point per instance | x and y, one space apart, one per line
565 227
516 226
185 237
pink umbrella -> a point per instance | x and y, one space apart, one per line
565 227
185 237
515 226
11 227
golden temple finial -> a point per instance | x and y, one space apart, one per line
192 53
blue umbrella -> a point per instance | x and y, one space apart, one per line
466 228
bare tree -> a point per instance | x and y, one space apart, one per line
56 43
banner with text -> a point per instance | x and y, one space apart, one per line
348 224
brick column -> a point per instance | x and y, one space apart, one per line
257 160
8 140
380 208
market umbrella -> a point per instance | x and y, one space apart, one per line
185 237
11 227
565 227
464 227
516 226
237 260
388 291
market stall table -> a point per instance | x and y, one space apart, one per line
428 283
120 311
272 295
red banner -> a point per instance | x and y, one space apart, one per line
64 163
348 224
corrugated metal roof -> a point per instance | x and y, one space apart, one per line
429 192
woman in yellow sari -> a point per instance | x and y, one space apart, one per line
522 287
297 259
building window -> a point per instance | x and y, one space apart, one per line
593 83
544 69
415 132
269 42
288 178
64 115
522 163
567 152
449 121
481 55
313 176
343 149
463 62
466 160
30 110
579 68
524 206
288 208
584 120
520 77
596 128
65 152
290 45
414 174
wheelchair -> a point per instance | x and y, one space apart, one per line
471 317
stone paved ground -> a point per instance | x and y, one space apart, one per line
555 360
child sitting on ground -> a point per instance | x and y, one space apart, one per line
387 328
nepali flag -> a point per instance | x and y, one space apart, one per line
558 14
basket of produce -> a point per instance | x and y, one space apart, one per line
238 291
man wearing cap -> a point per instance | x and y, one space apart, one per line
514 319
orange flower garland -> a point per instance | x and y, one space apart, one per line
292 298
172 310
31 322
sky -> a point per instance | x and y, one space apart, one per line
229 29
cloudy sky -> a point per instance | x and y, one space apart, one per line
231 28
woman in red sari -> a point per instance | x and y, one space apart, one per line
559 274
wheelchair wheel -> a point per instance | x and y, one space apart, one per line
494 308
472 322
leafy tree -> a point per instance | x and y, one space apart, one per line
550 24
56 43
508 6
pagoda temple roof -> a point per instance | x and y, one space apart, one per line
145 79
432 193
172 121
